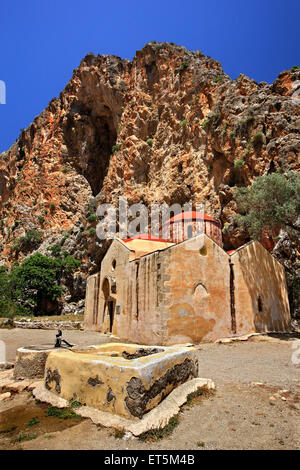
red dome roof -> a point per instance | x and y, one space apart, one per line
190 215
145 236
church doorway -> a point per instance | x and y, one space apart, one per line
111 312
108 287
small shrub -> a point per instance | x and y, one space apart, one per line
295 67
62 413
250 118
205 123
219 79
200 444
119 433
75 404
15 225
183 123
257 140
32 422
149 142
198 395
92 218
41 219
156 434
28 242
26 437
115 148
52 206
64 169
224 130
238 163
92 232
232 136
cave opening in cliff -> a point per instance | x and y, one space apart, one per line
98 162
90 136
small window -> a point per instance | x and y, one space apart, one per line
113 265
190 231
203 251
113 288
259 304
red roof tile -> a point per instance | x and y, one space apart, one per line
145 236
190 215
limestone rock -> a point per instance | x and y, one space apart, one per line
40 393
18 386
90 145
5 396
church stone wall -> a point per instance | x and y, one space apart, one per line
197 292
260 292
189 292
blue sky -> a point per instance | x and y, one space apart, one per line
43 41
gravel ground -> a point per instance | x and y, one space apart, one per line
239 416
17 337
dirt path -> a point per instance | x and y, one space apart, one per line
17 337
239 416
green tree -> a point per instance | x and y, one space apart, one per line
271 202
28 242
7 305
34 285
36 280
67 262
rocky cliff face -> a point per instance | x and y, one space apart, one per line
209 134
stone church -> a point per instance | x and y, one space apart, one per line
186 288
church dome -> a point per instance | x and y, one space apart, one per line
190 223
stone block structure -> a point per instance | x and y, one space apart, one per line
123 379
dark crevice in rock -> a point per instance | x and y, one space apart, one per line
53 376
110 395
98 134
138 396
141 353
95 381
